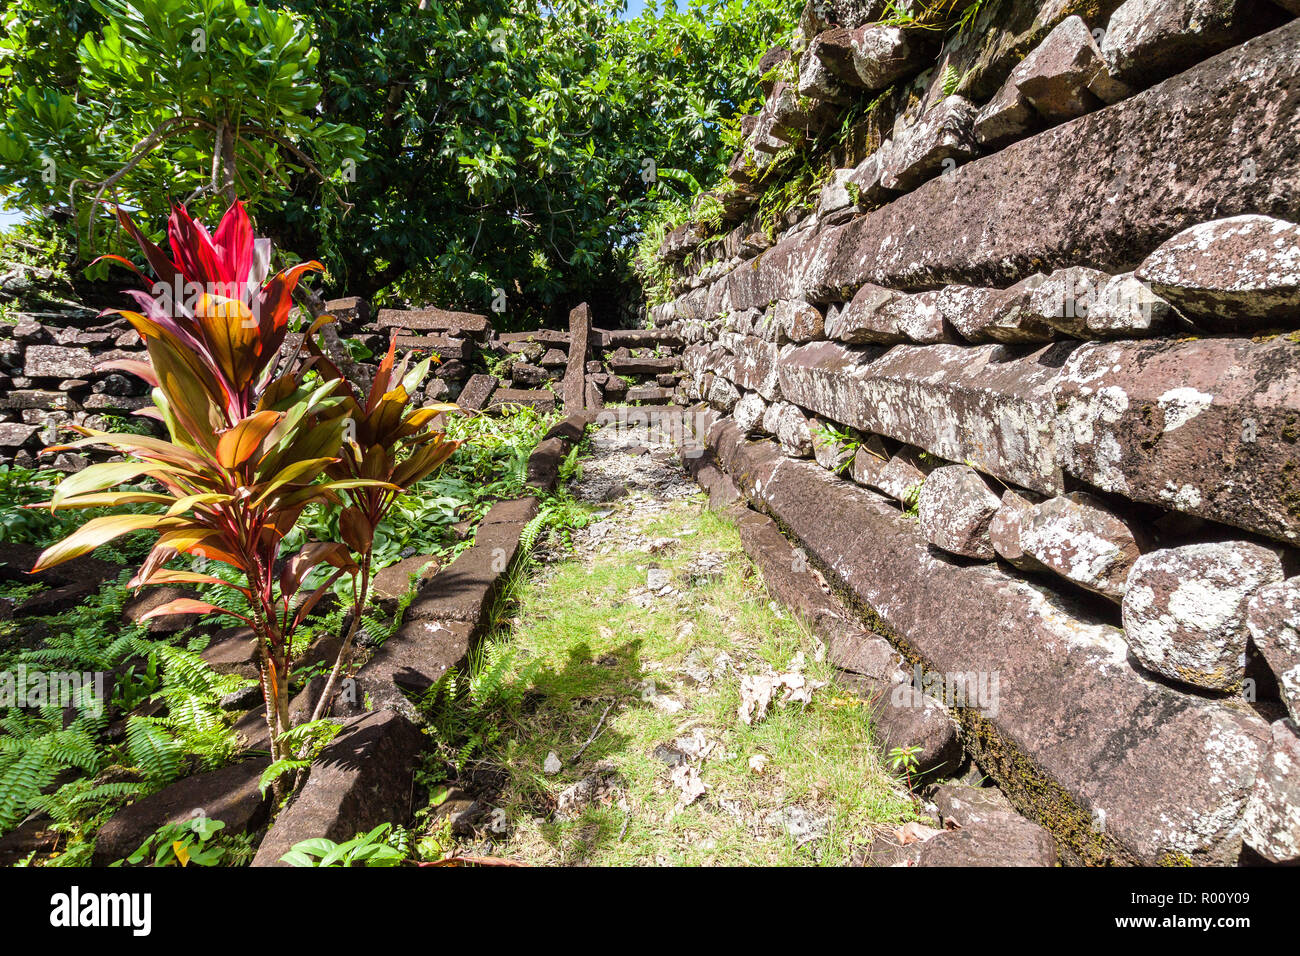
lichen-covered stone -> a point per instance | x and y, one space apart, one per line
1271 823
1058 76
1137 418
791 320
955 508
903 476
791 427
918 318
1004 529
1217 140
1062 300
868 176
829 451
722 394
1126 307
869 461
1004 119
987 404
1185 609
1082 540
1120 768
971 309
1273 619
941 140
871 56
1231 274
864 319
1147 40
816 79
1017 319
748 413
754 367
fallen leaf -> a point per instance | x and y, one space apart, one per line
913 832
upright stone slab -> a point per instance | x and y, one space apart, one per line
574 389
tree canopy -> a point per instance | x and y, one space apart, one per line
449 152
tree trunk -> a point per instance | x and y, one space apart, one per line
226 156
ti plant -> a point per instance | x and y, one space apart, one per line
250 444
388 446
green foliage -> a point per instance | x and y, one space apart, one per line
198 842
468 711
382 846
187 730
517 135
309 739
146 88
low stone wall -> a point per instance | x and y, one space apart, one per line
1023 381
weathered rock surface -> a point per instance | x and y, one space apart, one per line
1137 418
1142 170
1273 619
1272 819
230 795
1171 775
1005 528
940 141
579 332
1230 274
1065 76
955 509
871 56
997 840
749 412
361 779
1082 540
990 405
474 396
1147 40
1185 610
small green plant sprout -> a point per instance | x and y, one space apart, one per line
844 442
904 760
912 499
375 848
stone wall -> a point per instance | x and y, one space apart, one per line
1023 381
51 373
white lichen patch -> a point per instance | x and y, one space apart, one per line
1181 405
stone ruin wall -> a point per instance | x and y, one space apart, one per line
1023 382
50 376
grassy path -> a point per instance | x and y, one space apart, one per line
623 657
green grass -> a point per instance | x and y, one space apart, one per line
580 644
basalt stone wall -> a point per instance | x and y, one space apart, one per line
1023 379
51 374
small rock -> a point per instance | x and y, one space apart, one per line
1185 609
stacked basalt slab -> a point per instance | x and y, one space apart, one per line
1023 380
